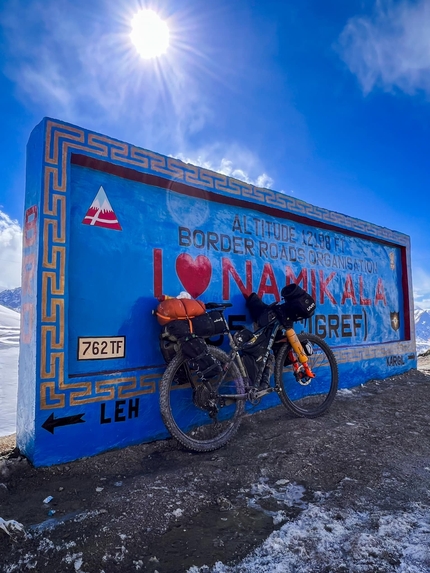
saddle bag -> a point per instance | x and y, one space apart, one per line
181 333
206 325
196 351
176 329
209 324
298 304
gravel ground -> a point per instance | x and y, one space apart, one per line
157 507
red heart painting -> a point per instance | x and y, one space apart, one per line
195 275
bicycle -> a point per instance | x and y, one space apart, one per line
204 414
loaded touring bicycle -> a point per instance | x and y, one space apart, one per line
204 389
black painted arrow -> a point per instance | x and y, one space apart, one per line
51 423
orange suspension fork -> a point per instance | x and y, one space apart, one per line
298 349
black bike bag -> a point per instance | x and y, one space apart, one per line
196 351
209 324
168 348
253 353
176 329
298 305
178 332
260 312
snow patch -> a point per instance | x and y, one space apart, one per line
343 540
9 350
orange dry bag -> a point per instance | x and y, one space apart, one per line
179 309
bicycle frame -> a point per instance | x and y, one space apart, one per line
275 326
301 367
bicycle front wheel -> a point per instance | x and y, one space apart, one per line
201 418
307 398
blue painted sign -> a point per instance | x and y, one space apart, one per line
112 227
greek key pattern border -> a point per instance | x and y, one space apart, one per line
104 390
60 141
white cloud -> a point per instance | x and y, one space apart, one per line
10 252
231 160
391 48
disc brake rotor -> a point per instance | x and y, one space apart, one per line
202 397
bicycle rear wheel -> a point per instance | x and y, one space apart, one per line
308 398
198 420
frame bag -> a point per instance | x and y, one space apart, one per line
253 353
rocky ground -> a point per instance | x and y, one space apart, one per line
157 507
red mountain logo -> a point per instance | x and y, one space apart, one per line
101 214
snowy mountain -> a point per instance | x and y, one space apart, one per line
11 298
422 329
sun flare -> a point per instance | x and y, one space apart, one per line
150 34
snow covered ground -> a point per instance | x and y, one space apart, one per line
9 349
331 539
327 536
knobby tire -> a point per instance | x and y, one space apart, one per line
188 422
312 400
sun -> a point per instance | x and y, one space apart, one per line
149 34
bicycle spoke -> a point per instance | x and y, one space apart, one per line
194 412
308 397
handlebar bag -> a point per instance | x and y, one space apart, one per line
298 305
260 312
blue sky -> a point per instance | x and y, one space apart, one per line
326 101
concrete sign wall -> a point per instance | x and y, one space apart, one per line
109 227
